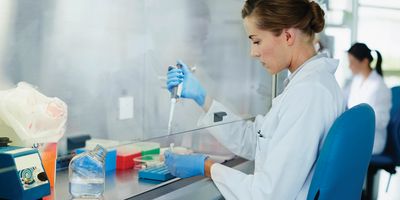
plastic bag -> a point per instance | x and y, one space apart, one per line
28 117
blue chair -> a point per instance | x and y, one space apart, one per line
343 160
390 158
395 100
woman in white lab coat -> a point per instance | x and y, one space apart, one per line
284 143
368 86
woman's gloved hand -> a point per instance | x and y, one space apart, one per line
191 86
184 166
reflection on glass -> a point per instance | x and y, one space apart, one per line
91 53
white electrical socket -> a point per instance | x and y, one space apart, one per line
125 107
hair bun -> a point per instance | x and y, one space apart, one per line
317 22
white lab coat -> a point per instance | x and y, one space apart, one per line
374 92
292 135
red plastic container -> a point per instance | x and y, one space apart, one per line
125 156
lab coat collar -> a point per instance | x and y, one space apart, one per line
317 63
291 75
373 75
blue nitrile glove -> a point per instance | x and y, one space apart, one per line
191 86
184 166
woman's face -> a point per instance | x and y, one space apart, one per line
355 65
272 51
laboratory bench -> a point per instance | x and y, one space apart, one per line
125 184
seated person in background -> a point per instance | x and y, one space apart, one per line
368 87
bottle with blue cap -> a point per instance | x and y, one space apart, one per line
87 174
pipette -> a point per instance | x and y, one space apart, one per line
171 114
175 95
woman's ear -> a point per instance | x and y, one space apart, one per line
365 61
289 35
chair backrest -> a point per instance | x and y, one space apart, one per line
392 147
343 160
395 100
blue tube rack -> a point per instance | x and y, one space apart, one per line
158 173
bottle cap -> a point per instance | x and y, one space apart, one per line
100 152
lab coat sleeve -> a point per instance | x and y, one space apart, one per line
381 102
346 90
292 150
239 136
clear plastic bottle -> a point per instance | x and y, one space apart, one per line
87 174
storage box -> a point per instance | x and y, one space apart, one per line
125 156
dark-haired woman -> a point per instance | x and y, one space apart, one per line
368 86
284 143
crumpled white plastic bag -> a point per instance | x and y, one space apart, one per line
32 116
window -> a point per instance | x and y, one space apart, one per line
378 27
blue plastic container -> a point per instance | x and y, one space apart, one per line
110 161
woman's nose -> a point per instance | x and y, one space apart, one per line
254 53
